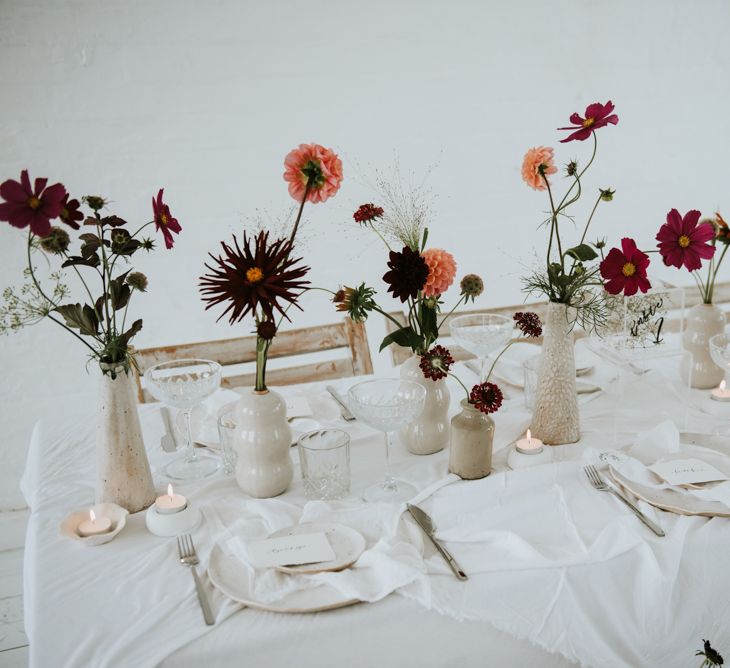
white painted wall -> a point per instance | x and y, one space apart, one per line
123 96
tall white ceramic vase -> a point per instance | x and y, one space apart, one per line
122 469
263 443
555 419
703 322
429 432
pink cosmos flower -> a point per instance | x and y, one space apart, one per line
537 161
441 271
164 221
683 242
35 206
624 269
597 115
317 165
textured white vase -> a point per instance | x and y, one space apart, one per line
555 419
472 438
122 469
703 322
263 442
429 432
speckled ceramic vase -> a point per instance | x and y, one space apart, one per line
122 469
472 438
429 432
703 322
263 443
555 419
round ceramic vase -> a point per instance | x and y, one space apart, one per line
472 438
703 321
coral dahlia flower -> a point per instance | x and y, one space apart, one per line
35 206
683 242
597 115
164 220
538 161
316 165
624 269
441 271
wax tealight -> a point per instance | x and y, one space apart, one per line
720 393
529 445
94 525
170 503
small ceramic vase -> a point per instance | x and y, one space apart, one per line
472 437
703 321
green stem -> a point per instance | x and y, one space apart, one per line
448 315
583 171
590 218
262 350
307 188
382 238
458 380
714 274
496 359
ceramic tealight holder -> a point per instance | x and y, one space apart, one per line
528 452
116 514
163 522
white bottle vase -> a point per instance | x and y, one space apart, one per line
122 469
429 432
555 419
703 322
262 441
472 438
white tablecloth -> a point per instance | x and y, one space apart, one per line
81 607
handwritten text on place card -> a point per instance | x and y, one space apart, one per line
310 548
687 471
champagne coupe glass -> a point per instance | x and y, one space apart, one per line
184 384
387 405
482 334
720 353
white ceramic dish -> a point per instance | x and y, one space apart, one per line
117 515
347 544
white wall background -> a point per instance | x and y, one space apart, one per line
122 97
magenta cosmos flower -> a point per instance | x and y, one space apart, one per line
317 165
683 242
624 269
35 206
164 220
597 115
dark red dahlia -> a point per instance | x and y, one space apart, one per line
35 206
70 213
407 275
164 220
597 115
367 213
436 363
529 323
486 397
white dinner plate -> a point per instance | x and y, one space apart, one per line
347 544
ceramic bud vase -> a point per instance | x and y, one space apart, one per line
122 470
555 419
703 321
429 433
263 442
472 436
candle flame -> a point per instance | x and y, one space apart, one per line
92 516
169 490
722 386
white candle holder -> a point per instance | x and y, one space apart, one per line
520 459
166 525
70 525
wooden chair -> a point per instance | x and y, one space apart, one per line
290 343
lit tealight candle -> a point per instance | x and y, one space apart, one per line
529 445
720 393
94 525
170 503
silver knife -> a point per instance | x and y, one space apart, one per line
344 410
168 442
425 522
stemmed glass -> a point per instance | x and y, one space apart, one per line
387 405
184 384
482 334
720 351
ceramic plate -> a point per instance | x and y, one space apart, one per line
347 544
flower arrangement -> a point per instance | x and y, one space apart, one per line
487 397
260 276
571 274
416 275
106 246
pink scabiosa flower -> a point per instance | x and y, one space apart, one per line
682 242
528 323
486 397
164 221
538 161
441 271
624 269
367 213
436 363
597 115
35 206
316 165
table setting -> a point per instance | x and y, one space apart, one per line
560 499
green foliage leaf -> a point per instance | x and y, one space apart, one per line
77 260
119 292
582 253
113 221
429 323
80 317
405 336
132 331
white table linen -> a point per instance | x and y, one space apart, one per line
559 573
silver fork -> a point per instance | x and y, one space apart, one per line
598 483
188 557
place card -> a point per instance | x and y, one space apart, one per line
297 407
687 472
296 550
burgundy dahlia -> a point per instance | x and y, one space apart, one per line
367 213
35 206
486 397
528 323
164 220
407 275
436 363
